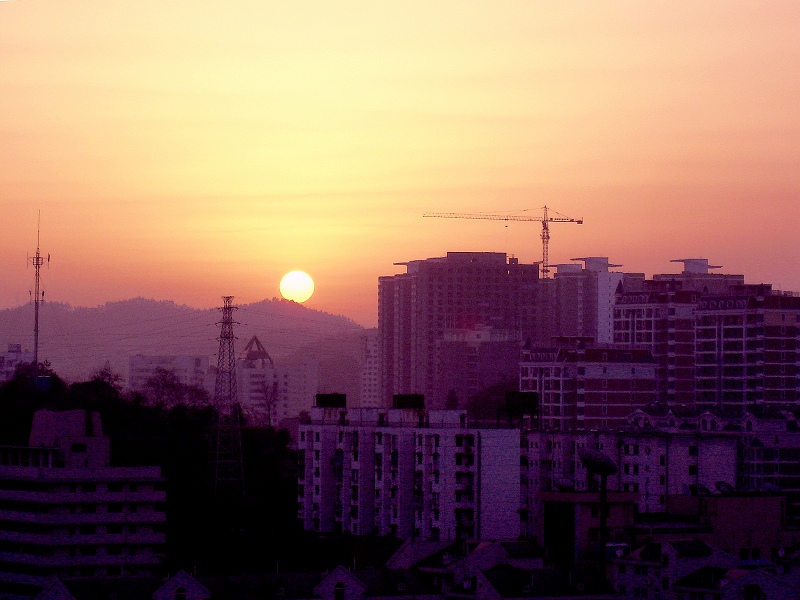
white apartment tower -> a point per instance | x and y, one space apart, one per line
408 472
190 371
583 299
11 359
270 393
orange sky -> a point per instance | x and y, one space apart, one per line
188 150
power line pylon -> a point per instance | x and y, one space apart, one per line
38 297
545 220
227 429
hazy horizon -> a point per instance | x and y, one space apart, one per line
186 150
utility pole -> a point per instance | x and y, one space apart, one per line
37 261
227 432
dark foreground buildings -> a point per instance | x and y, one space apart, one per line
65 512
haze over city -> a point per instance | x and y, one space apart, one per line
186 151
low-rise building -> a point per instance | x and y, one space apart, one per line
66 512
11 359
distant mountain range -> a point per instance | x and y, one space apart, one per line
77 341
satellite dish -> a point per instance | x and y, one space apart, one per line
702 490
723 487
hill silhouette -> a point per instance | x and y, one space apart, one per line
77 341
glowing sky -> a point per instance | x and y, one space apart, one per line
188 150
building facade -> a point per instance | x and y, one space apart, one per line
188 371
587 387
473 360
11 359
582 298
65 512
660 319
463 290
746 348
370 383
270 393
407 472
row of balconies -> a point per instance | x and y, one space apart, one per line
143 558
46 497
62 540
101 518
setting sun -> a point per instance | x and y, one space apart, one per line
297 286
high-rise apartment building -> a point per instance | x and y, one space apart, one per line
463 290
746 348
660 320
696 276
472 360
370 389
659 315
581 299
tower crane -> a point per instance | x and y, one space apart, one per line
545 220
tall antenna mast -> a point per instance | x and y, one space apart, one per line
227 433
37 261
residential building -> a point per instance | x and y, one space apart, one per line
659 318
65 512
746 348
696 277
370 390
472 360
147 374
651 569
270 393
583 298
463 290
653 461
581 386
406 471
11 358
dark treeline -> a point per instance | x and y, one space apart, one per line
203 534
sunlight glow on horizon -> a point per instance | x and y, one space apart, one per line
187 150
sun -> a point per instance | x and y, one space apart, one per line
297 286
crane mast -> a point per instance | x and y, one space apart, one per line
545 220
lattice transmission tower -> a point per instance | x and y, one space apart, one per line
227 429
